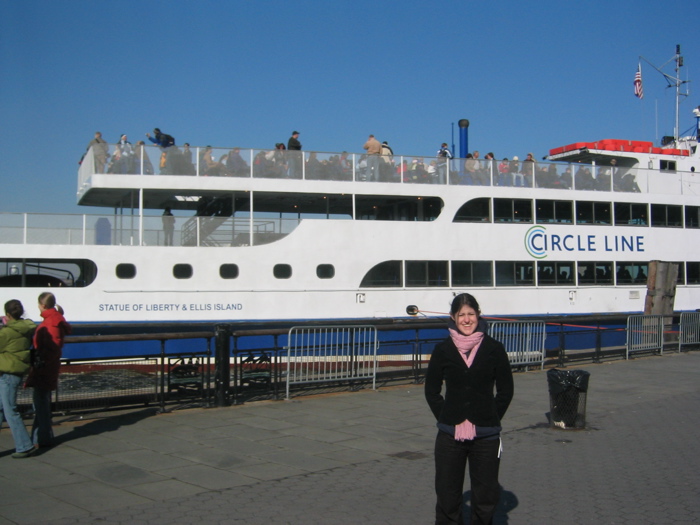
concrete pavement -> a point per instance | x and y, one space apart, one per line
366 458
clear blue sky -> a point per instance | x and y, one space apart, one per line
529 76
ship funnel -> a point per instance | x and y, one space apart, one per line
463 138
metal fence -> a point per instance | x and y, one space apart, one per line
331 353
645 333
523 340
259 364
689 330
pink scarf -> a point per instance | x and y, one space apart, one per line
468 345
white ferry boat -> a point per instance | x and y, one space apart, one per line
263 235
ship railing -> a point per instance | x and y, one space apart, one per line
229 364
125 230
396 169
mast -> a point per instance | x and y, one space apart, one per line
674 82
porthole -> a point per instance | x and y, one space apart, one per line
126 271
325 271
228 271
282 271
182 271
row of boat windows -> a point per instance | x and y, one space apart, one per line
45 273
226 271
393 274
580 212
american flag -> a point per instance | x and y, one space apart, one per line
638 89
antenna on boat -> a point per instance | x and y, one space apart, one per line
673 82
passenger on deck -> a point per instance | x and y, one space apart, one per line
505 178
168 227
602 181
165 141
277 158
584 179
490 170
140 150
208 166
123 157
235 164
294 156
100 151
374 150
187 166
386 167
529 169
518 177
565 179
314 167
470 167
444 155
475 170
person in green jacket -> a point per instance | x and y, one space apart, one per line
15 340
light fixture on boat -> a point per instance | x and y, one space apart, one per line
188 198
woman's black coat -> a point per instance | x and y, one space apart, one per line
469 392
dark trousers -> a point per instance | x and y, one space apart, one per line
450 465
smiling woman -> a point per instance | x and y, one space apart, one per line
470 364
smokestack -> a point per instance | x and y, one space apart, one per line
463 138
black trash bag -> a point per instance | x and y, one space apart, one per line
565 388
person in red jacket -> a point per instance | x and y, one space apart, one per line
46 362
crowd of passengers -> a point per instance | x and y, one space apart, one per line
379 165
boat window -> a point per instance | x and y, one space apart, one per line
590 212
384 274
426 273
630 214
476 210
397 208
554 211
667 165
692 216
125 271
45 273
182 271
692 272
325 271
512 210
472 273
631 272
681 273
668 215
282 271
552 273
595 273
515 273
228 271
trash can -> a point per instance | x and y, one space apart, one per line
567 398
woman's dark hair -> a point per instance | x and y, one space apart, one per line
14 309
464 299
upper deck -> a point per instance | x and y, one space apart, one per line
147 177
